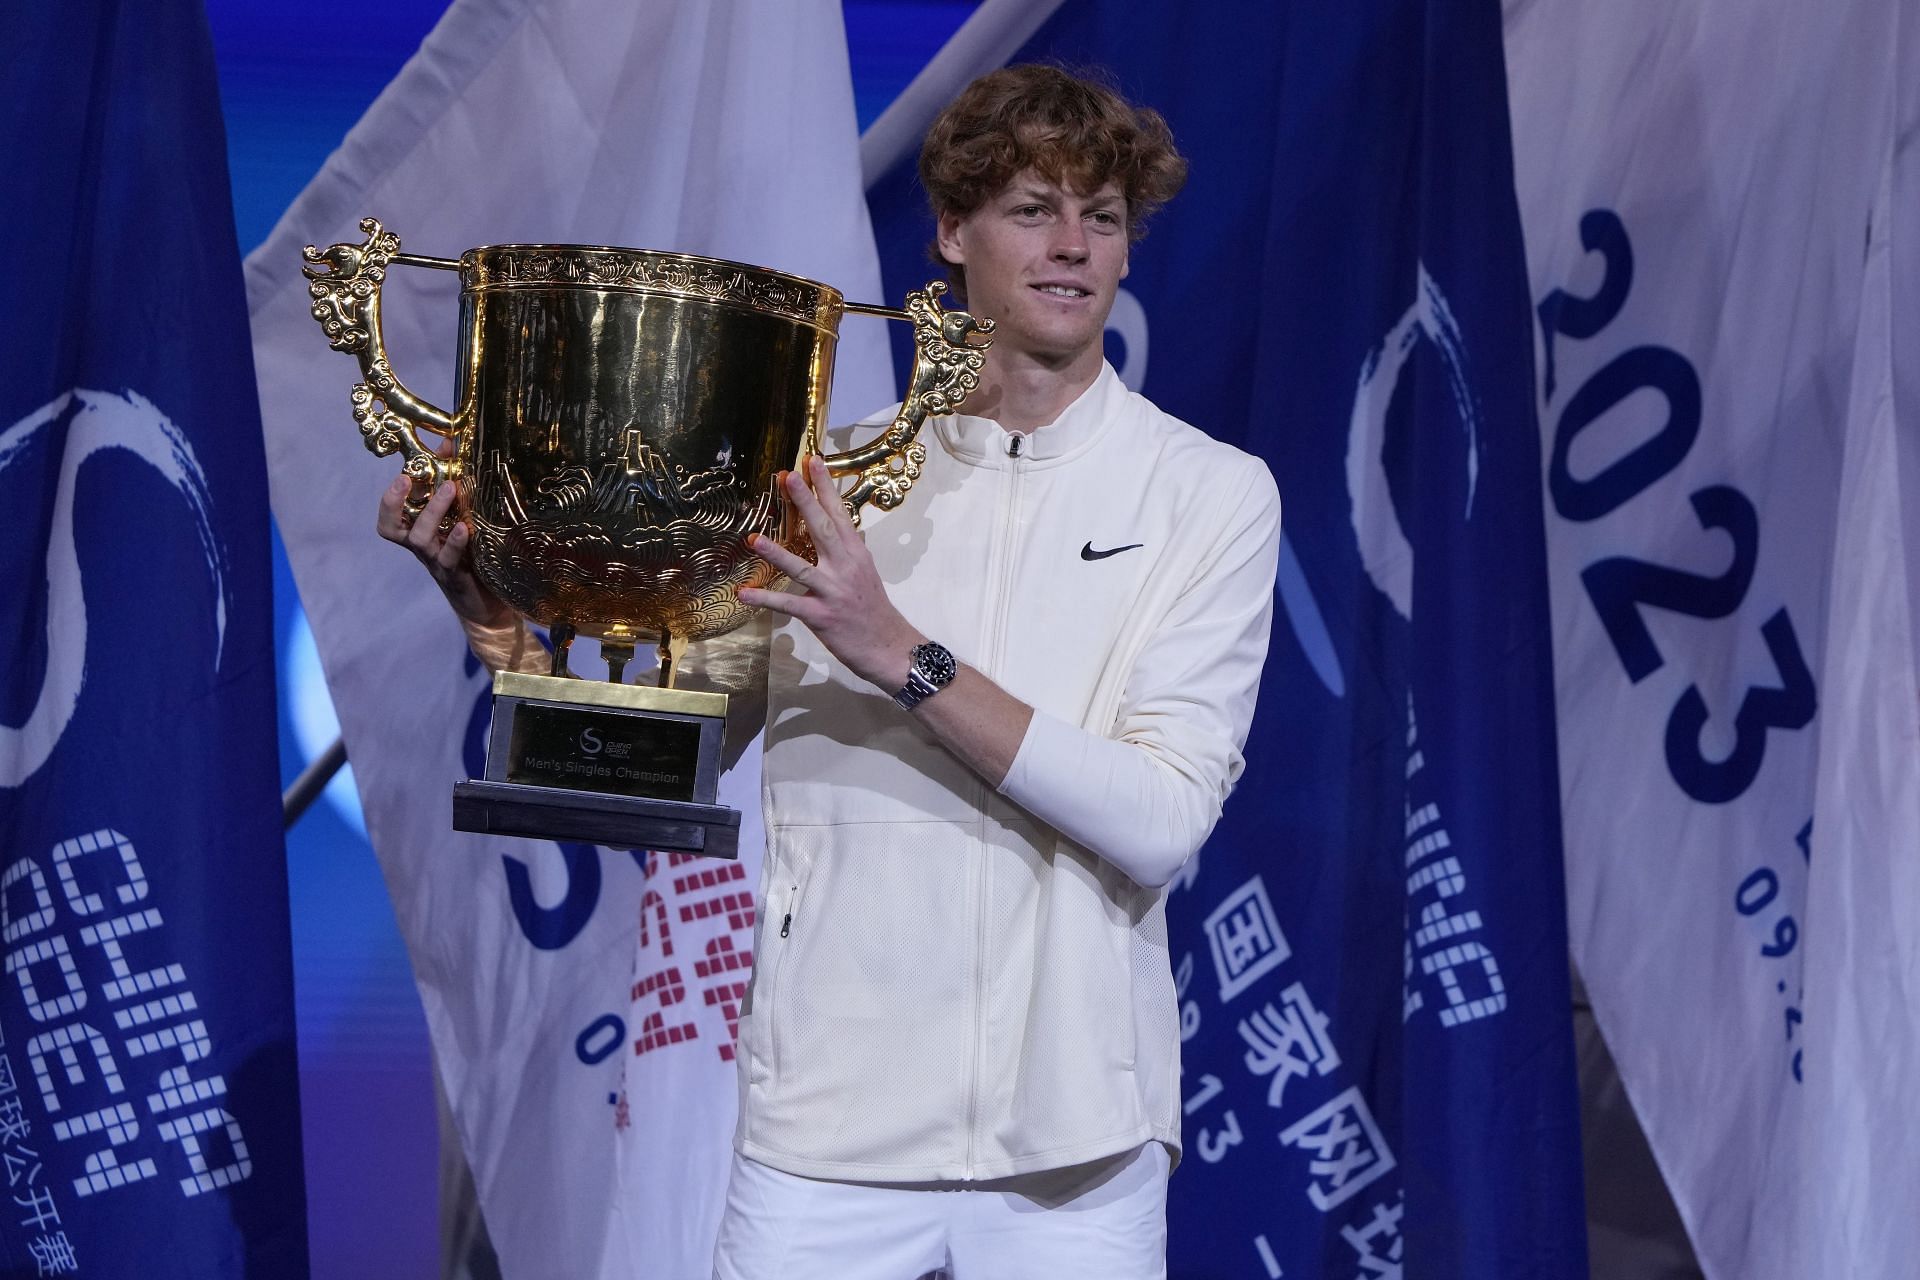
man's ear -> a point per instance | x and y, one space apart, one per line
946 235
1126 262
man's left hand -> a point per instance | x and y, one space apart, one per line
846 603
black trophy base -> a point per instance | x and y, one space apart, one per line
617 822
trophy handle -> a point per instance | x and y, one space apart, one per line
946 369
344 281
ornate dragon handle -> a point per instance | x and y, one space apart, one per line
946 369
345 281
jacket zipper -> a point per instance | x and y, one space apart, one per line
990 658
777 983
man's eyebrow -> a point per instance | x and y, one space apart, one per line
1038 195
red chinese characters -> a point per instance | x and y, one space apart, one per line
710 905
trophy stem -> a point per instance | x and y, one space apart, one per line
618 651
672 649
561 633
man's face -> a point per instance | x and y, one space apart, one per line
1044 263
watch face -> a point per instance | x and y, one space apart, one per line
935 664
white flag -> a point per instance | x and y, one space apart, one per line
587 1057
1858 1175
1696 189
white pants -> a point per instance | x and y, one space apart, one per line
1107 1219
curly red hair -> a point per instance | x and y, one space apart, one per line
1071 129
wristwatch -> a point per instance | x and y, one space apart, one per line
932 670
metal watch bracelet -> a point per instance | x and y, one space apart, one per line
932 669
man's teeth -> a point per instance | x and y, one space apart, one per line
1062 290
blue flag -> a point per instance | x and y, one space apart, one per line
149 1115
1371 951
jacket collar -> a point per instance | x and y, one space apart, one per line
984 441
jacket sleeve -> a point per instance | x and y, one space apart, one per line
1145 795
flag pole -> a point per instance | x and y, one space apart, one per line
306 788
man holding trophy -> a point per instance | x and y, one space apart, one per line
1001 717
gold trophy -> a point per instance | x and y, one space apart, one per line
623 418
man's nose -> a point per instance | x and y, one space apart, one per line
1070 241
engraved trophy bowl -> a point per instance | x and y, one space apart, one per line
623 416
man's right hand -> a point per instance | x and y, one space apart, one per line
441 545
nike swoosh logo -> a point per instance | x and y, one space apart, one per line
1088 553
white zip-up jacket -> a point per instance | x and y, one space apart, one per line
957 983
